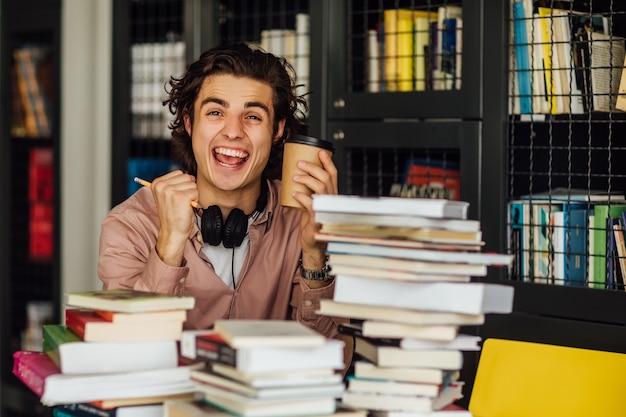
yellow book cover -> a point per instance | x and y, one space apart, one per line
519 379
549 58
398 46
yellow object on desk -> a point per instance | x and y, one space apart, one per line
522 379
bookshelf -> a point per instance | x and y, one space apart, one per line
501 155
29 149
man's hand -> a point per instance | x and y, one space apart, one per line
322 181
173 194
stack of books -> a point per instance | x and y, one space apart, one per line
116 355
268 368
403 276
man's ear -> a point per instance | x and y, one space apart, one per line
279 131
187 121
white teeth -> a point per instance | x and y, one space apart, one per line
231 152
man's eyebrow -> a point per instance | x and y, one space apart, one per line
257 104
215 100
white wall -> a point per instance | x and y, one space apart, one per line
85 137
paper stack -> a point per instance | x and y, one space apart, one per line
116 354
269 368
403 270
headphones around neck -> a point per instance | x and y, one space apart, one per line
232 231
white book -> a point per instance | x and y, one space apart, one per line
279 379
399 315
479 258
421 207
364 369
109 357
267 333
396 220
65 388
373 62
374 401
468 298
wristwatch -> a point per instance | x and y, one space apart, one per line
316 274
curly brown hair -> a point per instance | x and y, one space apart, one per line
239 60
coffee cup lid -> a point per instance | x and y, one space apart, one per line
310 140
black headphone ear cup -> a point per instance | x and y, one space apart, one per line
235 228
212 225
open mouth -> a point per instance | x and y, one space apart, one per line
230 157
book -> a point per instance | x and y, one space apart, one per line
450 410
565 194
522 58
407 265
390 329
153 316
404 233
267 333
398 49
429 178
381 354
422 23
463 342
365 369
480 258
213 348
607 53
614 279
91 410
38 372
376 401
128 301
468 298
421 207
92 328
382 386
188 342
396 220
74 356
381 273
601 212
279 378
213 380
257 407
111 403
335 308
200 408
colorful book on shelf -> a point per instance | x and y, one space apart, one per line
522 58
74 356
212 348
398 49
128 301
330 307
423 20
398 402
420 207
601 212
468 298
93 328
38 372
432 179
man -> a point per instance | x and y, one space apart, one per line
239 253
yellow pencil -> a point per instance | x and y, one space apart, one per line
148 184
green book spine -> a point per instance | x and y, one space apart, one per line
55 335
601 213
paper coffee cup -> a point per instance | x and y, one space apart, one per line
299 148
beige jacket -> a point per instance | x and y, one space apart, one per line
269 285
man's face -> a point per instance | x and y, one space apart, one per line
232 131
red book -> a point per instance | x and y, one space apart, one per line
32 368
93 328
